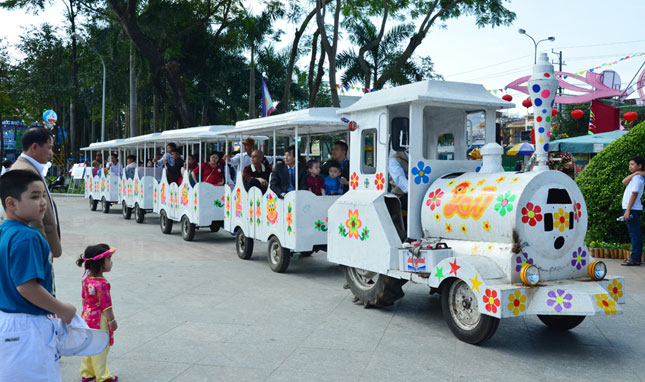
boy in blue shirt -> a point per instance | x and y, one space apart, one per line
28 337
333 185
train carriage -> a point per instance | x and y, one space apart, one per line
295 223
101 185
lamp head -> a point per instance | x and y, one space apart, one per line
521 31
551 38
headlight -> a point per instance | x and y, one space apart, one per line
597 270
530 275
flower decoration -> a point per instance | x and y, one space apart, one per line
228 205
448 227
365 234
577 211
490 247
451 183
353 223
366 182
579 258
289 218
353 181
615 289
531 214
475 249
500 179
421 172
504 203
434 199
437 217
521 261
342 231
605 303
559 300
487 226
258 212
461 188
463 228
514 180
251 212
379 181
491 300
320 226
560 220
517 302
481 182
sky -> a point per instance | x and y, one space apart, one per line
588 32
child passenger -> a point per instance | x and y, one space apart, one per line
332 182
97 308
28 340
315 182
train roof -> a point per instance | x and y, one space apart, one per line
432 92
104 145
321 120
193 133
140 139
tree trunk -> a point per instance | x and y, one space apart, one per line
155 110
204 120
252 84
330 48
133 95
312 66
371 45
71 15
93 131
319 76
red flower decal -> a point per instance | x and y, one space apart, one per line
531 214
491 300
577 211
379 181
354 181
434 199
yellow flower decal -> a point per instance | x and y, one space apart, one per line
481 182
517 302
490 247
500 179
514 180
615 289
475 249
487 226
451 183
605 303
448 227
437 217
561 220
463 228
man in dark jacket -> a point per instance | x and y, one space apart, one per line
257 173
283 177
173 171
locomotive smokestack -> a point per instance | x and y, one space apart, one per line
542 87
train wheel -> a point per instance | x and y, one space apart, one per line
165 223
139 214
460 310
215 226
373 289
243 245
105 205
561 323
187 229
278 257
126 211
93 204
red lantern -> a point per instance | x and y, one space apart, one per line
577 114
554 112
630 116
353 126
527 103
507 97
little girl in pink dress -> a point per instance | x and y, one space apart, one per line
97 309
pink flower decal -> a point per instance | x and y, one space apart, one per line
434 199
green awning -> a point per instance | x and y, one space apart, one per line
586 144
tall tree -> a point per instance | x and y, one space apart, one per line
330 48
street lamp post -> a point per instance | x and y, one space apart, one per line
535 44
103 98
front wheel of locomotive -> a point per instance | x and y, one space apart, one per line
460 310
373 289
561 323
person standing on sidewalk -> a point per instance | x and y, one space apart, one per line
633 208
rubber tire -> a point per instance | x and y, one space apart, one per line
486 327
280 264
561 323
139 214
165 223
93 204
215 226
243 245
384 292
187 229
105 206
126 211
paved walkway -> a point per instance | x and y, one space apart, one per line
193 311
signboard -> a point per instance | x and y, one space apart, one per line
597 147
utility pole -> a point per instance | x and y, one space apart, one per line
560 63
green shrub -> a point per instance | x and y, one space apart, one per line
600 183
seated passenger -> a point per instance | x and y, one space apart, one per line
191 164
257 173
130 166
114 166
397 167
150 163
332 182
339 158
212 171
173 171
315 182
283 177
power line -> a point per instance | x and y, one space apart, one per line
590 46
489 66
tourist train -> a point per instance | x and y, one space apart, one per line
493 244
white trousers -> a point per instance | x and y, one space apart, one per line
28 348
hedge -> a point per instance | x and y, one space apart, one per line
600 183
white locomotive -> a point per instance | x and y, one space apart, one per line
495 244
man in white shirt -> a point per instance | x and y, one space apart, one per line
114 165
397 167
633 208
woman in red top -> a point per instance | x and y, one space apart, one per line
212 171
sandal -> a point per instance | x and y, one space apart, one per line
88 379
629 263
113 379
